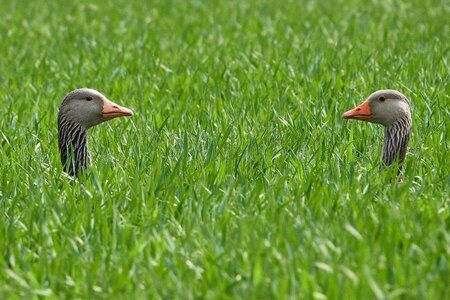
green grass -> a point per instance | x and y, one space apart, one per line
237 177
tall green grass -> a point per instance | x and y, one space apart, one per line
237 177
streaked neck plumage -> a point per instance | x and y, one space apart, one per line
72 142
396 138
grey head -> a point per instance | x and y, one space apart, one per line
384 107
391 109
88 107
80 110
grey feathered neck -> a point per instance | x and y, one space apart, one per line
396 139
72 143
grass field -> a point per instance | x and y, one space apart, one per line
236 178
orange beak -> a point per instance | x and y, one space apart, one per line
361 112
112 110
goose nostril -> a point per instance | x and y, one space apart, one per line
358 109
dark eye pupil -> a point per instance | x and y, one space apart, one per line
88 98
381 98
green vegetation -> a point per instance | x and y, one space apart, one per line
237 177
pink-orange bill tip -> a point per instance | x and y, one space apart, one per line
112 110
361 112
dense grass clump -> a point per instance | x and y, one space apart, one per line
237 177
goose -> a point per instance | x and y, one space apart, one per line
391 109
80 110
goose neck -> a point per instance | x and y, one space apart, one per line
72 142
396 139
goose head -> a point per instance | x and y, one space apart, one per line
88 107
383 107
391 109
80 110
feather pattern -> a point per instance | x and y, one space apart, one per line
72 143
396 139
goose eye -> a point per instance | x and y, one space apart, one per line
381 98
89 98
